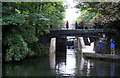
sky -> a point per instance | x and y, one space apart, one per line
71 12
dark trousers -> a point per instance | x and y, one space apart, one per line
67 27
100 50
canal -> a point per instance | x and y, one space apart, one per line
73 64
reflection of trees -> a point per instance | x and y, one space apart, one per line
40 67
30 67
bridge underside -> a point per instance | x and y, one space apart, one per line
80 32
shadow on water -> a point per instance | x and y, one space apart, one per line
29 67
70 64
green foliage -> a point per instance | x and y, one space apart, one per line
109 16
23 22
30 52
109 10
27 32
35 47
117 51
16 19
17 47
39 49
88 17
43 50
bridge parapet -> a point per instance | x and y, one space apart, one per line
89 30
80 32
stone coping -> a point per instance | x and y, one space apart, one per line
104 57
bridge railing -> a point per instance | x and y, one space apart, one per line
85 30
62 27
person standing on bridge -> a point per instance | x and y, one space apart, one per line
67 25
95 24
81 25
76 25
100 47
112 47
86 24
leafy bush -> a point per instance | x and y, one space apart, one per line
27 33
34 47
23 23
43 50
17 47
13 19
39 49
30 52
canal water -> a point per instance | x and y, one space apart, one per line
72 65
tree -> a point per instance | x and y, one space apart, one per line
109 10
87 16
109 18
23 22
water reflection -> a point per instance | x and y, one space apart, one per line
84 66
76 65
67 67
73 64
52 61
112 72
29 67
